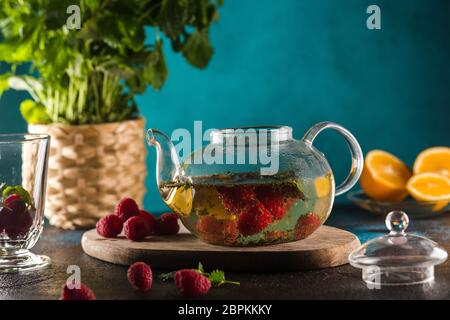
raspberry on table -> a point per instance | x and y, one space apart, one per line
254 219
167 224
150 219
191 284
140 276
127 208
306 225
109 226
83 293
136 229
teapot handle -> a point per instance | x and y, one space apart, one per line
353 145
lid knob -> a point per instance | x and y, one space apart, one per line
397 222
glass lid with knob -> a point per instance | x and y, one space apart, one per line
398 258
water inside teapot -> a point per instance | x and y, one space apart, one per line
249 209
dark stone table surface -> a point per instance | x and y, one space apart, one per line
109 281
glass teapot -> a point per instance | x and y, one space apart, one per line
252 185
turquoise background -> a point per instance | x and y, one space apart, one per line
298 62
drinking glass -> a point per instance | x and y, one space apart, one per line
23 173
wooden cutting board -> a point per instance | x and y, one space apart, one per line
327 247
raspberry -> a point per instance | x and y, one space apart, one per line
217 231
150 219
136 229
167 224
191 284
109 226
140 276
18 224
126 208
15 204
254 219
15 219
306 225
235 199
274 201
83 293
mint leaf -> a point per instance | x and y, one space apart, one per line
200 268
198 50
167 276
20 191
172 17
217 278
155 71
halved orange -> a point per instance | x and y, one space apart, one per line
431 187
436 159
384 176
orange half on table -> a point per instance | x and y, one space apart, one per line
384 177
436 160
431 187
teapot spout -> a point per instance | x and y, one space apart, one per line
168 167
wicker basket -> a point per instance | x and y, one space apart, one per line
91 167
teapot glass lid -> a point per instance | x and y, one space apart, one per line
398 258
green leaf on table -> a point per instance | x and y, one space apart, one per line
167 276
200 268
34 112
20 191
217 278
198 50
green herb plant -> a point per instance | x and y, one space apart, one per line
217 277
92 74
